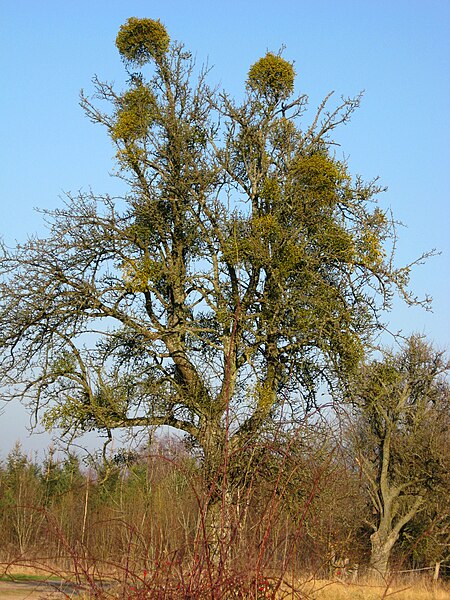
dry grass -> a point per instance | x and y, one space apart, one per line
11 570
419 590
310 589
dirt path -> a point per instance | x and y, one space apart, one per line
35 590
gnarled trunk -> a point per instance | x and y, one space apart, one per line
382 544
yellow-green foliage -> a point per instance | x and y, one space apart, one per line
272 76
249 240
371 240
283 134
138 273
139 40
270 191
265 398
65 364
136 114
318 176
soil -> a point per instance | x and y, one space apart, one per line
36 590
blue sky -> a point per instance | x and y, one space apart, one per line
397 51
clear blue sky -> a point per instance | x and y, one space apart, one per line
398 51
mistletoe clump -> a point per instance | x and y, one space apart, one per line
136 113
140 40
272 76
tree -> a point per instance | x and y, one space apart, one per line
401 439
425 540
242 270
22 489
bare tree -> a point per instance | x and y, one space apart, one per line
401 439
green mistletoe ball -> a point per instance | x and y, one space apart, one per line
140 40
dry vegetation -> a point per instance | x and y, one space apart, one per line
140 527
419 588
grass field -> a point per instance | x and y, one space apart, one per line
420 590
28 582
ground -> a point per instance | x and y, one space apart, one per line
32 590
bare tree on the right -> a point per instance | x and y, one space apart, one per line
400 437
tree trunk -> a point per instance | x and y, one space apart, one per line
219 530
381 551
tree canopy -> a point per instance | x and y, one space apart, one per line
243 270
